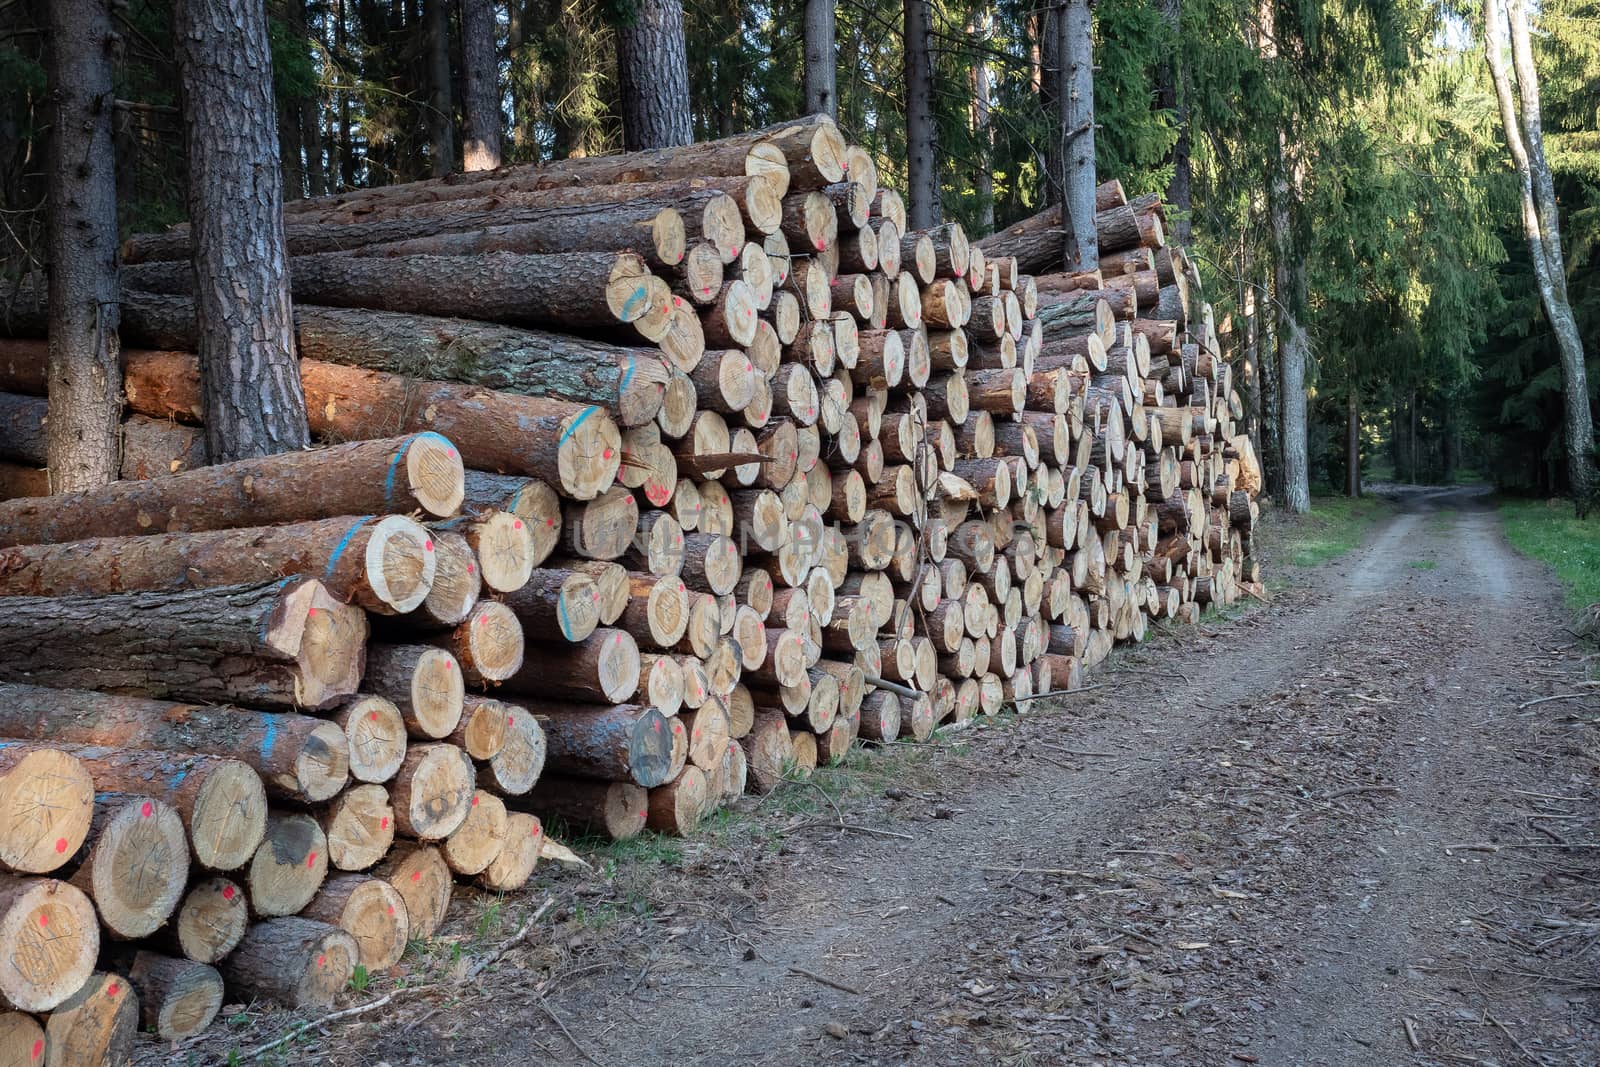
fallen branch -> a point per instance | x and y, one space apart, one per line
802 972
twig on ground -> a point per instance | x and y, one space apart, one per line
1546 700
515 940
1411 1032
568 1033
1514 1040
803 973
852 827
1359 789
332 1017
1060 692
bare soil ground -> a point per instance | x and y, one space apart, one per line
1330 830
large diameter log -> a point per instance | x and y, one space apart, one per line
573 446
96 1026
135 865
626 742
298 757
580 289
221 801
368 909
284 645
603 668
49 797
395 476
296 962
177 998
382 564
49 938
617 809
289 865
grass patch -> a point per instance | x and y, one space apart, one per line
1546 530
1335 526
1423 564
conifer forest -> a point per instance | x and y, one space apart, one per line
782 532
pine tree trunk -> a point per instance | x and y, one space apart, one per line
653 75
1047 80
822 95
1542 228
1352 443
1077 135
1271 399
85 375
982 103
922 174
1289 277
480 65
250 380
441 113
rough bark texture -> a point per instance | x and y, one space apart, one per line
177 998
653 72
1541 227
441 128
422 471
251 381
1289 288
283 645
299 963
85 375
480 66
384 565
1077 133
822 95
922 174
96 1026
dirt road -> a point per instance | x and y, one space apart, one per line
1327 832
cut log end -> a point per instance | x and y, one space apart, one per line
513 865
434 473
48 801
588 453
299 963
228 816
375 738
289 866
177 998
50 937
399 563
211 920
422 879
138 868
359 826
96 1025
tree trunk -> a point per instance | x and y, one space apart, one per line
653 77
177 998
441 110
922 170
822 94
383 565
480 68
85 375
1289 288
397 476
1077 135
1271 398
251 382
1541 225
284 645
982 104
295 962
1352 443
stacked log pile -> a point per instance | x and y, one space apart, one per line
706 467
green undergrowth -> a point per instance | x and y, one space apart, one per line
1548 531
1335 526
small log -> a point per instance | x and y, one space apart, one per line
424 683
602 528
517 766
211 920
48 797
485 725
677 807
768 750
479 838
419 874
513 865
488 645
289 867
457 584
603 668
529 499
352 479
432 792
21 1037
368 909
502 543
375 737
384 565
627 742
177 998
616 809
292 961
359 826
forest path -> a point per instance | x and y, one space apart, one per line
1257 861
